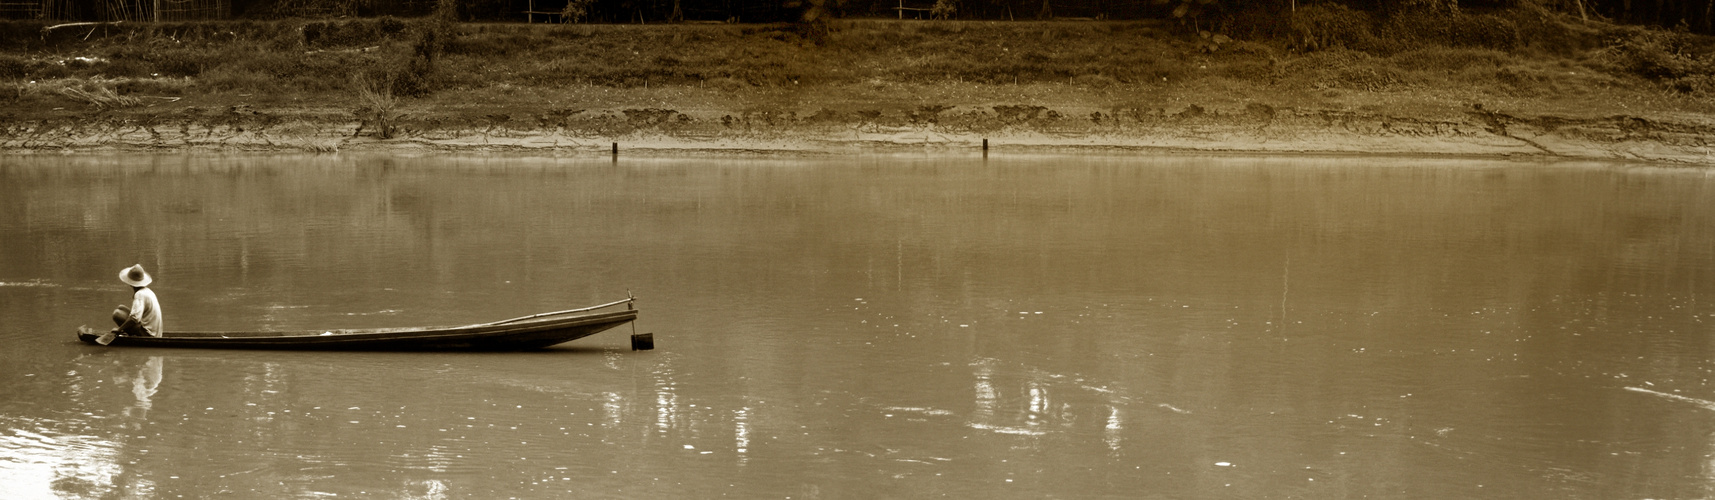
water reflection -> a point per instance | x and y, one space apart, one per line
666 400
144 386
987 398
613 409
1111 431
741 432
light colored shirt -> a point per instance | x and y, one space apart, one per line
147 310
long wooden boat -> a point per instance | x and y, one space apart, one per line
529 332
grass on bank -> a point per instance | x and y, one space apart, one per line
1325 51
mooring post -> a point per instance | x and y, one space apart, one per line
985 148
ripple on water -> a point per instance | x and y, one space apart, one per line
31 283
32 462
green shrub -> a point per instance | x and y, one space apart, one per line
354 32
1698 85
576 10
377 107
1485 31
1326 26
429 38
13 67
285 40
1661 56
1552 33
326 34
399 68
1416 29
1257 21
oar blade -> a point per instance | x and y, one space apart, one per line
104 339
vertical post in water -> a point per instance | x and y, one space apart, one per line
985 147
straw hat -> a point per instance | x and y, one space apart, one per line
135 276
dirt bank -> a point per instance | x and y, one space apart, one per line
581 125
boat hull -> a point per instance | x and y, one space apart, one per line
510 336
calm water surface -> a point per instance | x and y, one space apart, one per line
1180 327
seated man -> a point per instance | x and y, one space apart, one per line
143 316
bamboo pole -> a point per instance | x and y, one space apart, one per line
49 29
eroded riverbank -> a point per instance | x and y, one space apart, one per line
822 130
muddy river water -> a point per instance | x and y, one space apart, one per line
890 326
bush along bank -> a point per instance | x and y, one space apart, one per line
1522 81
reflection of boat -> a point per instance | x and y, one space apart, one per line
528 332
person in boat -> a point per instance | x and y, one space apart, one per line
143 316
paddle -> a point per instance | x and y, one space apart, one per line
104 339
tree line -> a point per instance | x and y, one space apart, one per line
1217 15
